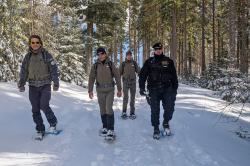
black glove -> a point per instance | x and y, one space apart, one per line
55 87
142 92
20 87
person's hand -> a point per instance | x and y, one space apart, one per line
21 89
55 87
91 95
142 92
119 94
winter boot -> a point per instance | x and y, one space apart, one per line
156 134
110 135
52 130
124 115
103 132
166 130
39 135
132 116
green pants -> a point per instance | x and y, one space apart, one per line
126 89
105 100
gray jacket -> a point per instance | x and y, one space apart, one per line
52 66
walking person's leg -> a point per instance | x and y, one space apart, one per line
155 108
132 99
109 108
125 98
168 103
44 105
34 97
101 96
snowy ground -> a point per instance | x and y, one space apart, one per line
202 135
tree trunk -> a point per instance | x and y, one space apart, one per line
213 27
174 35
232 34
121 53
115 47
203 57
31 5
89 46
185 39
243 35
189 59
135 44
218 42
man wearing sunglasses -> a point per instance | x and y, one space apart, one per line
103 73
162 83
39 69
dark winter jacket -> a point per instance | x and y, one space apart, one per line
159 71
46 61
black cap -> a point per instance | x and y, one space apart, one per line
100 50
157 46
129 52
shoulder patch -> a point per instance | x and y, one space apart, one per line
165 63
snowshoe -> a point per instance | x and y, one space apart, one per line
110 135
132 116
124 115
156 134
53 131
39 135
166 132
103 132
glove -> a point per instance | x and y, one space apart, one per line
91 95
55 87
142 92
21 89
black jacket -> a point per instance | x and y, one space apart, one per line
159 71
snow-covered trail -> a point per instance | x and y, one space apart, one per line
201 138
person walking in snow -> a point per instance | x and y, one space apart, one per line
162 83
39 69
128 70
103 72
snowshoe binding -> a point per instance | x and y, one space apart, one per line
124 115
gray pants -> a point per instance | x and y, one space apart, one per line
105 100
39 98
126 89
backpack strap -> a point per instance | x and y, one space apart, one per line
123 65
136 66
110 67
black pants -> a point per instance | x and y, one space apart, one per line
39 98
168 97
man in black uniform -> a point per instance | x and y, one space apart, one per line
162 83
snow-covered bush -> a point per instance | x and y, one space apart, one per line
230 84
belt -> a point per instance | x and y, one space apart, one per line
105 85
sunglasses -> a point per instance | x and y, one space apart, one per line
35 42
157 49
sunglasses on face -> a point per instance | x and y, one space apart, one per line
35 42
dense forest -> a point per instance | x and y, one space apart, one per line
207 39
